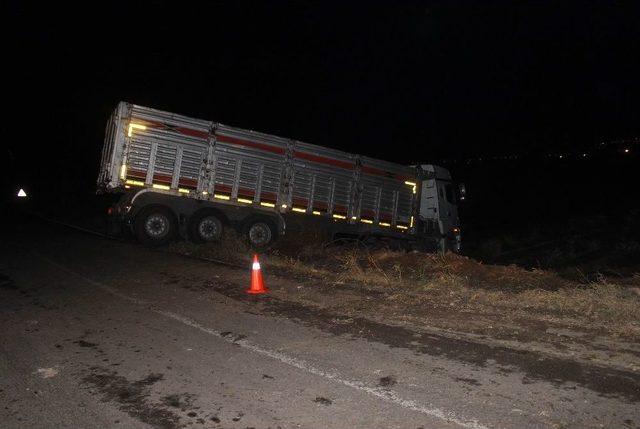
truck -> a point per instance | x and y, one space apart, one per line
178 176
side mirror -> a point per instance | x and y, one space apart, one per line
462 191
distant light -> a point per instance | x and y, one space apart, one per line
22 193
299 210
560 157
245 201
626 151
163 187
584 155
265 204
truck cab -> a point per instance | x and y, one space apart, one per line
438 211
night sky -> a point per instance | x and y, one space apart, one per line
403 81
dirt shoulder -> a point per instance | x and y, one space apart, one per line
454 296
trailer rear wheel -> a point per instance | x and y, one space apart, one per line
260 233
205 227
155 225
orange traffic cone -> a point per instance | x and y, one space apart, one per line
257 284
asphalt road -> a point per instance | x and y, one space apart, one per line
97 333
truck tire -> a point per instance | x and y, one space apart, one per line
205 227
155 225
260 233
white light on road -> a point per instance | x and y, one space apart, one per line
22 193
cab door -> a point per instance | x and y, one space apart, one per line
448 209
438 204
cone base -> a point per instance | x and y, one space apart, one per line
256 292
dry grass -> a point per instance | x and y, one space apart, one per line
232 249
601 306
416 280
464 284
397 267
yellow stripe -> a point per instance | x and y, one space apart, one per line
133 126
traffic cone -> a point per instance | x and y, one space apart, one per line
257 284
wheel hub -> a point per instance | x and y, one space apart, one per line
157 225
208 228
260 234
